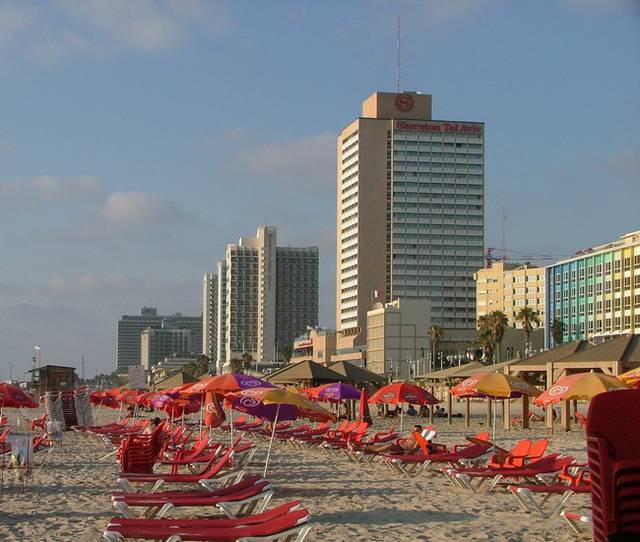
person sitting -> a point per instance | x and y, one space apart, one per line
411 411
398 410
424 411
440 412
152 426
409 445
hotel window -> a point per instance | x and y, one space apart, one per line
636 301
627 264
581 289
581 311
637 260
627 321
627 302
565 311
627 282
616 303
573 274
590 326
565 276
598 268
573 291
590 289
590 271
616 285
607 267
617 323
599 306
616 266
607 305
636 319
565 295
608 323
590 309
581 272
573 329
607 287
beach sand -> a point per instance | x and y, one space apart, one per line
68 498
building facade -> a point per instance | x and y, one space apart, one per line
267 295
157 343
410 211
317 344
210 315
508 288
596 293
397 332
130 327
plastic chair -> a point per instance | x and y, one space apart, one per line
613 449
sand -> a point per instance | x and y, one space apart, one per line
68 498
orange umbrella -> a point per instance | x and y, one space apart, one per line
580 386
494 385
631 377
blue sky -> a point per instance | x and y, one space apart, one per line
138 137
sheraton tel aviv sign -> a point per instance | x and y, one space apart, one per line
455 127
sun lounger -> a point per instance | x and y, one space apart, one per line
412 464
574 520
532 473
211 471
285 522
248 496
525 496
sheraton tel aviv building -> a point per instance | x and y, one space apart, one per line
410 220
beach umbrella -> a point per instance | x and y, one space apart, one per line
12 397
337 391
580 386
403 392
631 377
275 404
495 385
363 408
129 397
311 392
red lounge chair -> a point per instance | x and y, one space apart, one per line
209 473
515 457
531 473
415 463
308 436
581 419
285 522
613 449
250 495
574 520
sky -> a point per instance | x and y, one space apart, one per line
138 138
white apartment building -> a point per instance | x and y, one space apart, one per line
267 295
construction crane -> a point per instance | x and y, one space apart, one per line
518 256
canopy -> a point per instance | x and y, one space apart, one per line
579 386
12 397
225 383
495 385
355 374
337 391
304 371
403 392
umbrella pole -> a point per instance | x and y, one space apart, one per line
493 429
119 411
273 434
231 423
201 414
401 421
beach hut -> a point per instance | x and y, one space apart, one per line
307 373
356 375
178 379
53 378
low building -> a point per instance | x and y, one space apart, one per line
317 344
508 288
53 378
397 332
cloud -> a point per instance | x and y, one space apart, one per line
53 30
48 188
139 208
14 18
306 163
92 284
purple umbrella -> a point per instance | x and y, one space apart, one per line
337 392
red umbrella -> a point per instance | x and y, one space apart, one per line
403 392
129 396
100 398
363 409
12 397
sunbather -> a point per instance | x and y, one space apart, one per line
410 445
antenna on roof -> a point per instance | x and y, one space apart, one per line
398 53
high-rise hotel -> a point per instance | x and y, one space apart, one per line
410 211
266 296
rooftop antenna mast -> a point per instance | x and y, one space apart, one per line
504 231
398 53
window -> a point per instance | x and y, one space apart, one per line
617 264
616 285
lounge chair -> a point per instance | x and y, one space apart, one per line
286 522
574 520
248 496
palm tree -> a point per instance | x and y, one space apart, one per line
286 353
529 318
235 366
436 335
485 340
558 328
247 359
498 321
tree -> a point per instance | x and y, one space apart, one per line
436 335
235 366
201 365
485 340
529 318
498 322
286 353
247 359
558 327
